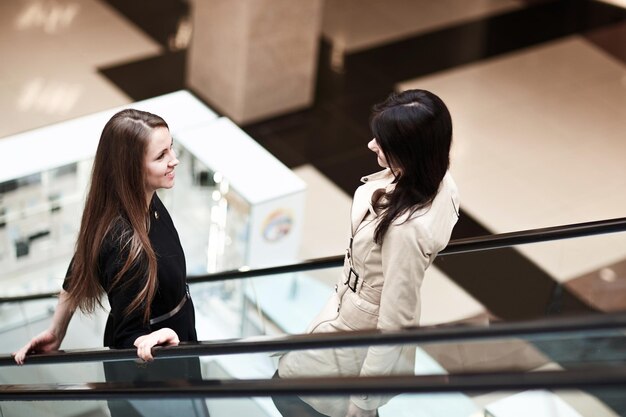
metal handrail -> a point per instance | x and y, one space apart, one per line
584 379
457 246
413 335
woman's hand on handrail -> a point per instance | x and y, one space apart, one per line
161 337
50 339
46 341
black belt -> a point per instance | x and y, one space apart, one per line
175 310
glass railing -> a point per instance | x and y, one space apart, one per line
579 402
460 338
467 284
578 399
458 369
600 228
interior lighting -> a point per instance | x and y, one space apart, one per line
224 187
608 275
49 15
212 249
619 3
51 97
337 56
216 214
180 40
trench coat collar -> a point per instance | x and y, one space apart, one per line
381 179
377 176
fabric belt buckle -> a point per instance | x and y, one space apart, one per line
350 280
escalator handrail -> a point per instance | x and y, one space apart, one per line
613 377
457 246
560 325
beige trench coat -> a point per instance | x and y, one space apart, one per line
385 296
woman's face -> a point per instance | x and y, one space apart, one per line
373 146
160 161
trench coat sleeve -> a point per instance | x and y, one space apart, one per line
405 256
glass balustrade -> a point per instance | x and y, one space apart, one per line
543 403
286 303
526 353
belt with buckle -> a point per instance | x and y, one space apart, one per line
353 279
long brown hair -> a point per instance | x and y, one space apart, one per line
116 208
414 130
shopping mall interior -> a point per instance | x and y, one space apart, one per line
537 93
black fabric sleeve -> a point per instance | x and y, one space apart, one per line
67 274
123 328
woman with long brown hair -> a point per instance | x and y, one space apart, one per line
127 246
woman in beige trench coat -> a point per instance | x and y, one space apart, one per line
401 218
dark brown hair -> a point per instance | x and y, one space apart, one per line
414 130
116 207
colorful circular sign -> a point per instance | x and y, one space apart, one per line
277 225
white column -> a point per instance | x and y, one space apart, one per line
253 59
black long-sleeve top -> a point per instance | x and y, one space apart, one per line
123 329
